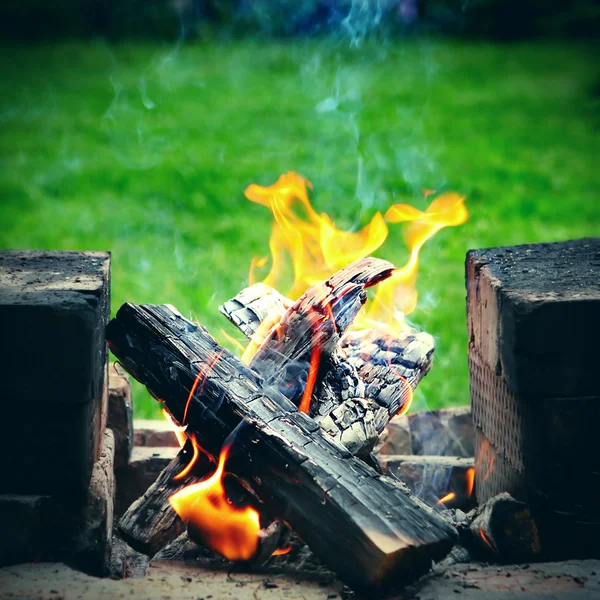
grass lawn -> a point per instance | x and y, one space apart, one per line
145 151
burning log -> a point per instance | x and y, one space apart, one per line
368 378
367 527
503 530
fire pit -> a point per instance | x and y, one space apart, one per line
300 455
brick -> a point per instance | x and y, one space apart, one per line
54 307
91 545
75 530
154 433
433 477
443 432
532 313
120 413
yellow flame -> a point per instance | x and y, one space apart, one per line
317 248
447 498
178 431
227 529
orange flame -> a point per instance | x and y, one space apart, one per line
485 459
231 531
447 498
486 539
317 248
470 475
281 551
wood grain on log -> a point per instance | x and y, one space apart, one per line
366 527
502 529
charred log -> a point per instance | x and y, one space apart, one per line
367 527
501 530
365 378
309 331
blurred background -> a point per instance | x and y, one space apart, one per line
135 125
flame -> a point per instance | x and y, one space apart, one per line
178 431
315 357
485 458
317 248
281 551
486 539
470 475
231 531
447 498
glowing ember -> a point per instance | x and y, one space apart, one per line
447 498
317 248
304 405
231 531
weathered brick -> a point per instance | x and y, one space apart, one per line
120 413
77 530
533 323
54 307
154 433
533 315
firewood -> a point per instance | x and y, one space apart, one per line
311 328
253 305
503 529
368 377
367 527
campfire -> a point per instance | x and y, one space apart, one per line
300 449
280 441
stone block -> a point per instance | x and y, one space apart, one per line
532 313
533 322
77 530
54 307
120 413
156 433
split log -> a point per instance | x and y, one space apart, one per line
503 529
367 527
365 379
253 305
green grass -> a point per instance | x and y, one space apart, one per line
146 150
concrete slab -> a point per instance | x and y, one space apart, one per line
570 580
